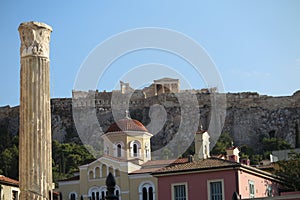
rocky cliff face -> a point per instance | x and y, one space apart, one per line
249 116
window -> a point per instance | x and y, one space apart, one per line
97 172
94 193
150 192
251 189
100 193
135 147
119 150
15 195
179 191
91 174
135 150
145 195
269 190
147 191
118 192
216 189
73 196
147 153
104 171
93 196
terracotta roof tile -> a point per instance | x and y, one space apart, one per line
146 170
126 124
165 162
200 164
156 165
5 179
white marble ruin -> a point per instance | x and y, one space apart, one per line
35 157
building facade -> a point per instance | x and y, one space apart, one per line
127 155
214 178
9 188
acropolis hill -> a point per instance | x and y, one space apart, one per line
249 116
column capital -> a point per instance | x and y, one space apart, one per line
35 39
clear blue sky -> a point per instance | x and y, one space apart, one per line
254 44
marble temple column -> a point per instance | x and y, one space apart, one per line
35 157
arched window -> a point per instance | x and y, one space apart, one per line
118 192
102 195
150 193
73 196
145 195
135 150
103 192
119 150
147 191
97 172
94 193
91 174
135 147
104 171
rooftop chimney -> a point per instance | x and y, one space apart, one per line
233 154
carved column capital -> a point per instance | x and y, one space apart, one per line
35 39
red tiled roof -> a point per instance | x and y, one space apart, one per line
198 165
145 170
126 124
181 160
165 162
156 165
157 162
5 179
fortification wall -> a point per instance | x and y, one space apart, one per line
249 116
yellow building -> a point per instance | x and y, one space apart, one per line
127 155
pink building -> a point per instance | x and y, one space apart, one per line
214 178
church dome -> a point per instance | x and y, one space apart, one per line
126 124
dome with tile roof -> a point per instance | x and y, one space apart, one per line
126 124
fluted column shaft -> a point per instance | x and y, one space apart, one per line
35 157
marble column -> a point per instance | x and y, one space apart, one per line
35 157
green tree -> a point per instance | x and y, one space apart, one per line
224 142
67 157
272 144
5 139
9 162
290 171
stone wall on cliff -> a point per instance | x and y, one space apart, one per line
249 116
